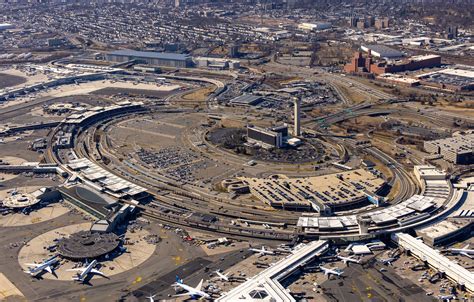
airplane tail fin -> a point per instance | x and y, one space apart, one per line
179 280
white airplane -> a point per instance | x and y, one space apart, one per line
222 277
447 297
346 260
328 271
151 298
83 272
190 291
388 261
46 265
465 251
262 251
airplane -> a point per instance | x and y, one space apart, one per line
151 298
328 271
85 271
46 265
388 261
346 260
221 276
262 251
447 298
190 291
465 251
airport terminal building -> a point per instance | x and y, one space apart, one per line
152 58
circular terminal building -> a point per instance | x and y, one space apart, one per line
87 245
20 200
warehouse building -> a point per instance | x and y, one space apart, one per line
456 149
314 26
152 58
382 51
246 100
216 63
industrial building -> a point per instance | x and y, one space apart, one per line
382 51
314 26
360 64
216 63
152 58
450 79
457 149
246 100
268 138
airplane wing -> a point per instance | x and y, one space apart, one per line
466 254
32 264
76 270
198 287
466 247
94 271
182 295
48 269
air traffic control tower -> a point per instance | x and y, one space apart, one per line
297 116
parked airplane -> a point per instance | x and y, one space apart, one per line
190 291
221 276
346 260
388 261
46 265
328 271
83 272
465 251
447 298
262 251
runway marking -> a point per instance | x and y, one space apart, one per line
177 260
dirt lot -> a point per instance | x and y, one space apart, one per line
199 95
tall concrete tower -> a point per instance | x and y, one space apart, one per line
297 115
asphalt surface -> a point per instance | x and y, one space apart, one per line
367 283
191 273
100 289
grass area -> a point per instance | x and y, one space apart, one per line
199 95
394 191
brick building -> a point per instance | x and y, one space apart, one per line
361 64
